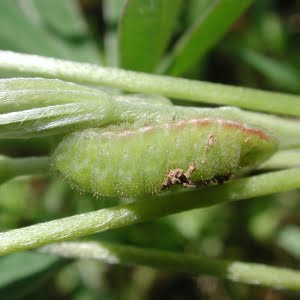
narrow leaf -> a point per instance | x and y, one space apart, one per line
279 74
22 273
63 17
206 31
282 160
43 32
44 107
145 30
288 239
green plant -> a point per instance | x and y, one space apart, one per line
128 147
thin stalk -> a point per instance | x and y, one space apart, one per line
14 167
282 160
249 273
34 107
17 64
136 212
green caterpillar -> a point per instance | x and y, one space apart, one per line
139 161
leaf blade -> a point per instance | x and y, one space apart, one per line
144 32
209 27
22 273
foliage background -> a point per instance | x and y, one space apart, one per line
261 50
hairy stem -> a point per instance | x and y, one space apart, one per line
49 106
249 273
152 208
17 64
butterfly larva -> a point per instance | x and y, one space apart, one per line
139 161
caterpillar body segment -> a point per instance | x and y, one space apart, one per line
133 161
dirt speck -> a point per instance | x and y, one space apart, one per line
178 176
211 140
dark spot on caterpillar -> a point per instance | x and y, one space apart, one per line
220 179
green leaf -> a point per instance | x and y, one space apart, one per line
289 239
31 40
112 10
282 75
282 160
53 28
45 106
63 17
145 30
63 20
196 8
22 273
206 31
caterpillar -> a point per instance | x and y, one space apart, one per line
137 161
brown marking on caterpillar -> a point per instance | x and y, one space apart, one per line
200 122
232 124
190 170
210 141
178 176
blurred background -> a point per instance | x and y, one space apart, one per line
258 48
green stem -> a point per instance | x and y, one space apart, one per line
282 160
141 211
249 273
32 65
48 106
15 167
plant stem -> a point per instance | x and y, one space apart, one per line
51 106
141 211
32 65
15 167
282 160
249 273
